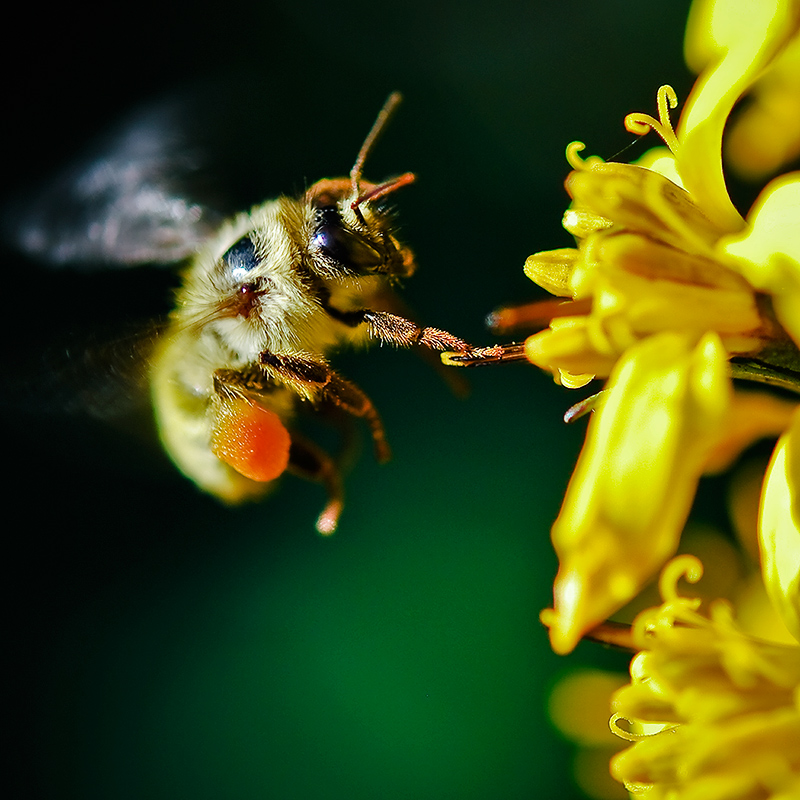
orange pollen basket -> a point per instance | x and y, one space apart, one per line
251 439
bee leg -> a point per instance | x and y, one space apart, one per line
393 307
247 382
311 462
316 379
350 398
397 330
481 356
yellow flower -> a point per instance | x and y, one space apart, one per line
669 294
582 696
713 713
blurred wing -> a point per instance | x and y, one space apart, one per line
128 202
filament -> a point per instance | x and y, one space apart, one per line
640 124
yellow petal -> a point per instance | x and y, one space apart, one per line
567 346
643 201
767 252
662 161
635 480
716 26
653 287
580 222
779 528
705 35
753 416
739 40
650 259
552 270
766 135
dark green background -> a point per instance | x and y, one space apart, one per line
166 647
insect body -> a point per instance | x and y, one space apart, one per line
262 304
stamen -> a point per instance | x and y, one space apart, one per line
684 566
575 161
640 124
652 730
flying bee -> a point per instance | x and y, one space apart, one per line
265 298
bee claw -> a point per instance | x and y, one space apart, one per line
480 356
329 518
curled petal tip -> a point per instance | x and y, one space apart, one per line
578 608
563 638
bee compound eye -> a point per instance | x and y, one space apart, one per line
241 258
335 241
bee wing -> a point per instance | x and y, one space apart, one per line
128 201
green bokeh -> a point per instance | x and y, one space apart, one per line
167 647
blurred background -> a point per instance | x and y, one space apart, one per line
164 646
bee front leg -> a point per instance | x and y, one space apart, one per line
397 330
316 379
481 356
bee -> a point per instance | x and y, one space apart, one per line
266 297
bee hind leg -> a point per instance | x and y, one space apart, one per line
307 460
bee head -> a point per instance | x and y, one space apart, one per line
355 240
352 233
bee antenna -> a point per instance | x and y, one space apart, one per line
383 117
383 189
